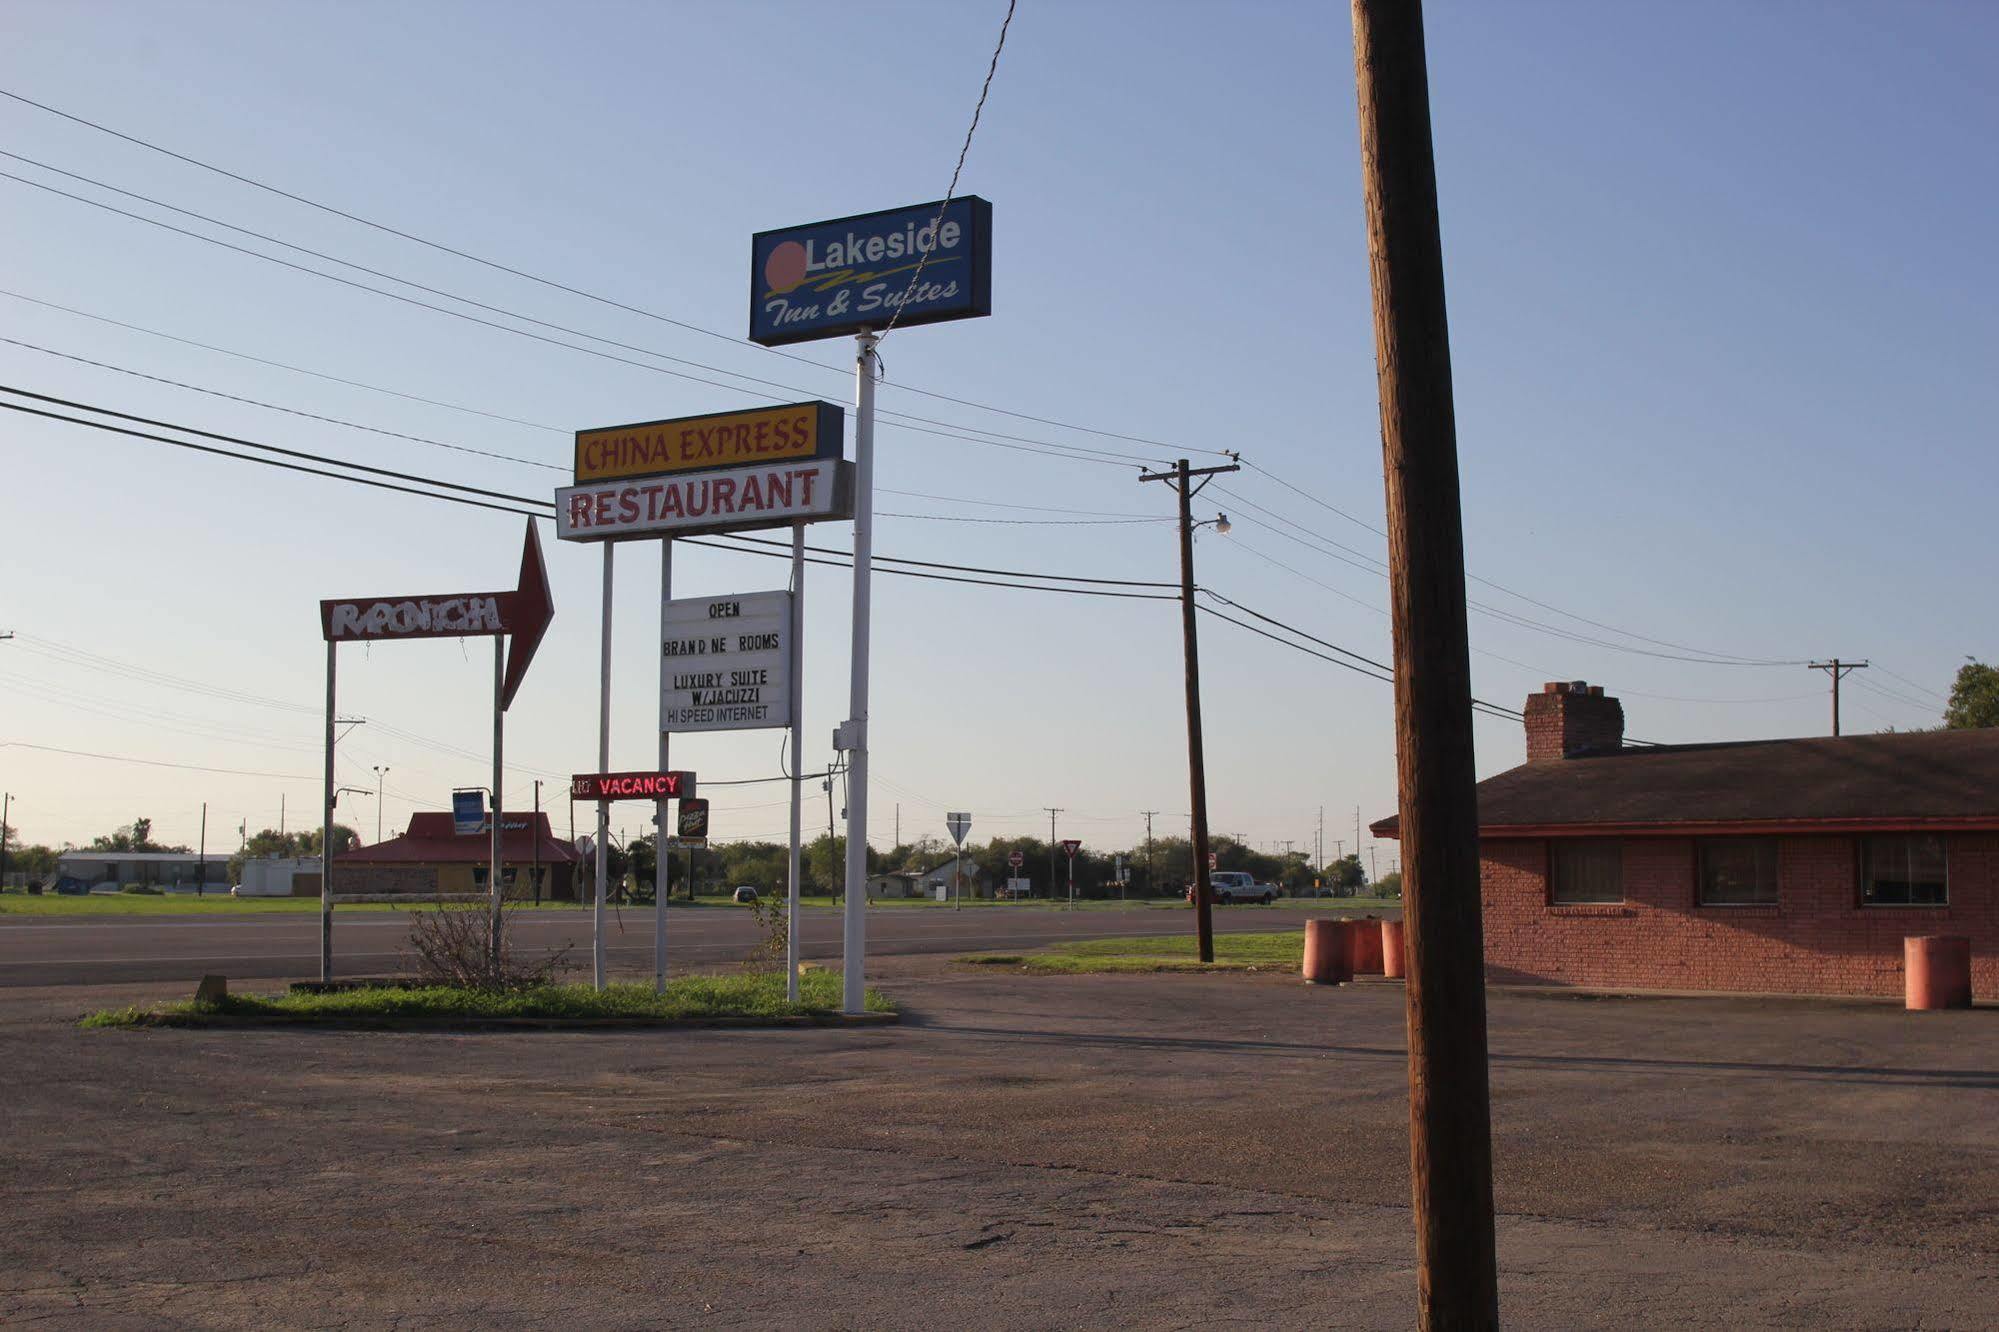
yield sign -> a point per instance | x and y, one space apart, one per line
523 614
1070 846
959 824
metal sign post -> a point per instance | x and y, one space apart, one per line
1069 848
854 936
497 886
797 762
326 836
822 280
603 762
522 614
659 809
959 824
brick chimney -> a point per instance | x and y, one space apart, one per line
1569 718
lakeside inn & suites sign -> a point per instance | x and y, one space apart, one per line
826 279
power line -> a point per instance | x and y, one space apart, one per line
553 284
268 462
279 365
157 763
896 420
541 508
951 190
289 411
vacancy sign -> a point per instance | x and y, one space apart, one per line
727 662
631 785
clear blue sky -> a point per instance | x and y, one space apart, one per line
1720 281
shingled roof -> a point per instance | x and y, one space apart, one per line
1927 779
432 839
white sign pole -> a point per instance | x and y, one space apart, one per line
659 823
603 765
853 956
797 760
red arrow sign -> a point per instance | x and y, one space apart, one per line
523 613
527 619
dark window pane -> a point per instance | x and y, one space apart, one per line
1586 871
1903 869
1738 871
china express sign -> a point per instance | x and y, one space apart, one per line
930 262
806 430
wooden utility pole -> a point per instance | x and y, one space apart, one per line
1182 479
1838 670
1450 1126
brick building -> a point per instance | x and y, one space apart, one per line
1766 865
431 858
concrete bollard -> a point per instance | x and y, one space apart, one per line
1937 968
1326 959
1391 949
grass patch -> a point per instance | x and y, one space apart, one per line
741 996
1167 952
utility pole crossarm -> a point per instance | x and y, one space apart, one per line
1838 670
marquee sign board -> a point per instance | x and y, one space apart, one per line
678 504
653 786
805 431
727 663
828 279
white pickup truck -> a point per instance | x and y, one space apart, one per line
1235 886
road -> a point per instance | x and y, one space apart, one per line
99 950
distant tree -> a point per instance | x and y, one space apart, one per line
1389 884
37 862
1345 876
269 842
642 864
135 837
1974 697
345 839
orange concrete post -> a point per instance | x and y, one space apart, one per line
1938 970
1364 941
1391 949
1326 960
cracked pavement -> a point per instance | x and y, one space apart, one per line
1154 1151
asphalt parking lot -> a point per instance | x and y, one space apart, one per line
1021 1152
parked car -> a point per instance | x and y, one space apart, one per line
1230 886
745 894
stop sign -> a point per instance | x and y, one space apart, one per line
1016 860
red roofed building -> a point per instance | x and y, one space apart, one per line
1793 866
431 857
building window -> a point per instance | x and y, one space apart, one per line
1903 869
1738 871
1582 872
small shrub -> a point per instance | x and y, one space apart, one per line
140 890
773 935
454 947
